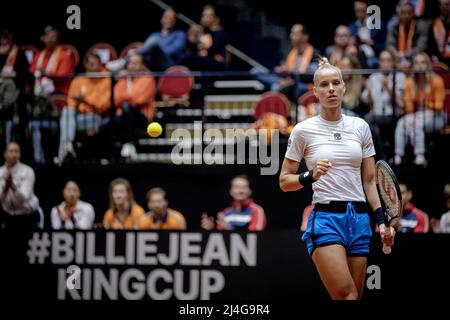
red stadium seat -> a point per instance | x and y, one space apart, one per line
273 102
105 51
307 104
175 86
74 51
131 46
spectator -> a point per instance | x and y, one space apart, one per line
14 77
87 107
123 212
51 68
134 96
8 98
378 95
413 220
162 49
20 205
13 62
302 60
72 213
408 36
444 224
440 37
243 214
210 54
343 47
424 101
54 61
160 216
375 37
378 92
353 84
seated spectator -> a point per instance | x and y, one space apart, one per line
20 206
53 61
353 84
424 100
343 47
413 220
14 77
375 38
88 103
51 68
378 96
210 44
160 216
408 36
442 225
124 212
440 35
243 214
162 49
8 98
134 96
72 213
302 59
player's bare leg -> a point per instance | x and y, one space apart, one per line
357 267
331 263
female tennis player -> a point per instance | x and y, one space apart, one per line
340 151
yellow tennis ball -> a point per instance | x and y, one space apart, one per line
154 129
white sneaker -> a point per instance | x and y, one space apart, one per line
420 160
116 65
397 160
128 150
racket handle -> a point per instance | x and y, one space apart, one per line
386 249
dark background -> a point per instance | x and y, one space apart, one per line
121 23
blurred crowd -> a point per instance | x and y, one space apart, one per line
396 75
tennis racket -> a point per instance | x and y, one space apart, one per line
390 195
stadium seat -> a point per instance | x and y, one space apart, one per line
105 51
175 86
131 46
273 102
74 52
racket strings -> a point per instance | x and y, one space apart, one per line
388 192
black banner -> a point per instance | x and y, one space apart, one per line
271 265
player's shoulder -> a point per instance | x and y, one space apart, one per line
306 124
356 122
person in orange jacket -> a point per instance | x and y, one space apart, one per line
134 97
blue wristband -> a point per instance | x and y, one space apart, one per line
379 216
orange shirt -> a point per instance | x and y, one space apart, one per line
434 99
130 222
96 91
139 91
174 220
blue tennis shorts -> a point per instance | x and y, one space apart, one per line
340 222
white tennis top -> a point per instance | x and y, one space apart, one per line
345 143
